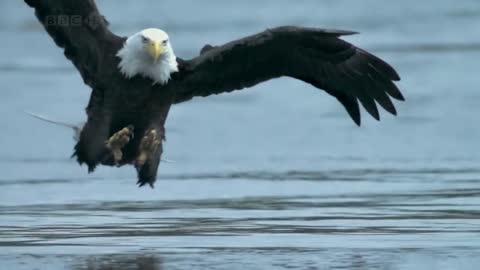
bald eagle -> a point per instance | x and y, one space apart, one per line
135 80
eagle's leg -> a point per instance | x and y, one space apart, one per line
150 149
148 157
117 141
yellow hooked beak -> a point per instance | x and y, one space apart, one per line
155 49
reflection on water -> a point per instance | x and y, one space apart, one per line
276 177
119 262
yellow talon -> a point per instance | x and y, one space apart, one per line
148 146
117 141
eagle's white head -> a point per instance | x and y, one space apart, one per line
148 53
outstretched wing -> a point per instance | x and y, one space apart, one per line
78 27
316 56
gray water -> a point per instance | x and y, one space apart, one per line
277 177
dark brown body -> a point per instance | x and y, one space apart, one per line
143 105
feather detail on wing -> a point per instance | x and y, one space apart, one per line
316 56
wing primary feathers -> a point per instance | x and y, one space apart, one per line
381 65
369 104
376 90
394 92
351 105
391 89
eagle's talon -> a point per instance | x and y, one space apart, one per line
117 141
148 146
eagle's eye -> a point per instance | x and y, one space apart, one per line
144 39
164 43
